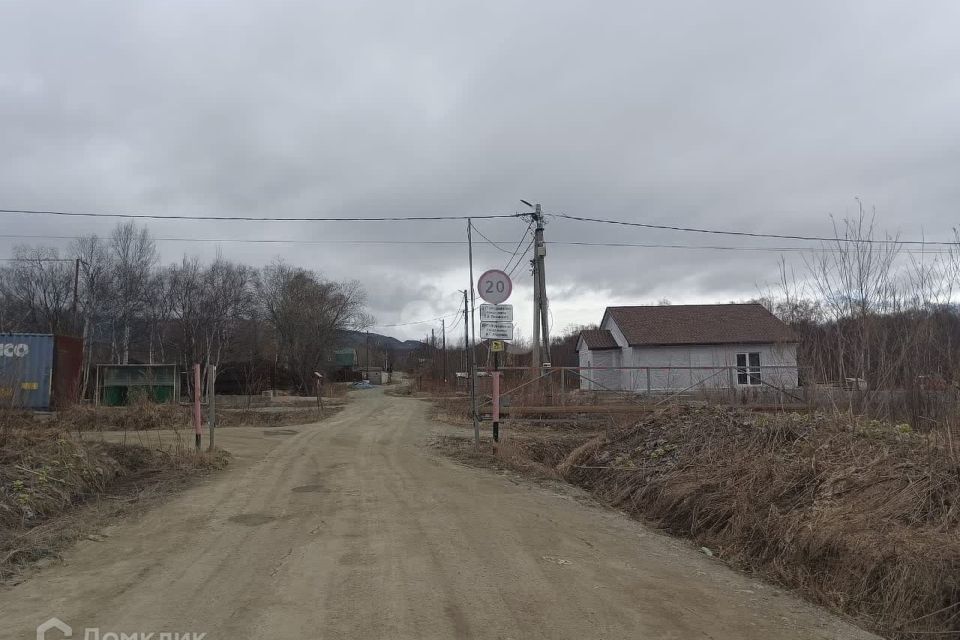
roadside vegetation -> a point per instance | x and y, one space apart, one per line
56 488
63 475
264 328
858 515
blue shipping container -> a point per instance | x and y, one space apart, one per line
26 370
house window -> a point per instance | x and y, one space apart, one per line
748 368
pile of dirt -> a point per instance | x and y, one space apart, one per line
47 476
859 516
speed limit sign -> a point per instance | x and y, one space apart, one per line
494 286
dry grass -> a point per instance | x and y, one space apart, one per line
146 416
48 477
860 517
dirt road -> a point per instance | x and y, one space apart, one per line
351 528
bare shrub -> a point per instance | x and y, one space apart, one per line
858 515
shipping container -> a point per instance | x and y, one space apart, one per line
67 370
26 370
39 371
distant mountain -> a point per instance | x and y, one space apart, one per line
358 339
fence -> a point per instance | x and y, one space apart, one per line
597 385
556 391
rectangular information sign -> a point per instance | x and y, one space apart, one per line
496 313
496 330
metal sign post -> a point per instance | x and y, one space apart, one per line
495 383
496 323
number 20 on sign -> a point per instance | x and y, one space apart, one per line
495 286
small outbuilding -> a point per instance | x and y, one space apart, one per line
675 347
121 384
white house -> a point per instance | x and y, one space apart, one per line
675 347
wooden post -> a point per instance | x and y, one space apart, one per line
732 381
211 401
319 381
563 386
196 404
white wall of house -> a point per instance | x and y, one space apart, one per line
778 365
599 379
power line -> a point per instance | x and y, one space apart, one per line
250 240
479 233
717 247
522 256
38 259
773 249
519 244
407 324
750 234
86 214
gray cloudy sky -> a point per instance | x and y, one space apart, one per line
760 116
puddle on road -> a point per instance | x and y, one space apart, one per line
281 432
308 488
252 519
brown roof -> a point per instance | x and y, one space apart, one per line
599 339
700 324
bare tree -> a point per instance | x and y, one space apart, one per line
306 312
37 288
853 278
133 255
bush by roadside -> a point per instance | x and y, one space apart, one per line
858 515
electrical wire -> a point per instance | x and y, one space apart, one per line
37 259
407 324
251 240
86 214
522 256
718 247
519 244
292 241
479 233
749 234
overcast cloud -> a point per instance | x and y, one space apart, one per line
759 116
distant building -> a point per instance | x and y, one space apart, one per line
673 347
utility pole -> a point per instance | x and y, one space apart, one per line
540 252
470 354
469 357
368 354
541 323
443 341
535 352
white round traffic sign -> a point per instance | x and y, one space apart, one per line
494 286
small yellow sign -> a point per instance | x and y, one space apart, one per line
496 345
29 386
